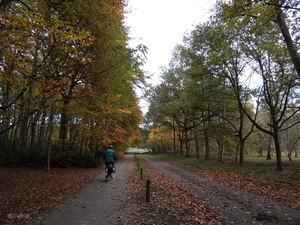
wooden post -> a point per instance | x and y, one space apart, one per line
141 173
148 191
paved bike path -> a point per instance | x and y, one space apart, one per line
97 203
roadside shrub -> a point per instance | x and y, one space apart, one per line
88 161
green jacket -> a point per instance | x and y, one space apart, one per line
110 156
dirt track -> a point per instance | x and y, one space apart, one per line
236 206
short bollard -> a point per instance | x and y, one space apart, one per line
148 191
141 173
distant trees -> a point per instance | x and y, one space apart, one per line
235 77
66 81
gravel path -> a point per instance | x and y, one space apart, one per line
236 206
98 203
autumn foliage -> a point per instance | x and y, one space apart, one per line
66 81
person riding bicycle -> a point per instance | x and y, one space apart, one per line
110 157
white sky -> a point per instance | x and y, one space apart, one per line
160 25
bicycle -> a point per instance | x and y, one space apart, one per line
110 172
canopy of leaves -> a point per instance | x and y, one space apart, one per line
66 73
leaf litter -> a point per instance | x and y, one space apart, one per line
26 192
170 203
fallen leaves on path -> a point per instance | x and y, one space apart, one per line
283 193
171 203
26 192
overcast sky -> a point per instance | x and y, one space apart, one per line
160 25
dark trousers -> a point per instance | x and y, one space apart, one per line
112 164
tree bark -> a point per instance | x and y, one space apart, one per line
289 41
242 149
186 143
174 138
278 151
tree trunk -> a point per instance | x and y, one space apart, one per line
42 131
269 155
186 143
242 149
288 40
4 137
49 156
278 151
180 143
269 149
32 138
237 152
206 139
63 131
221 150
290 156
23 135
174 138
197 147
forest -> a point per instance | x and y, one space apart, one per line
224 118
232 86
68 81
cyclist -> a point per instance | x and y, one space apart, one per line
110 157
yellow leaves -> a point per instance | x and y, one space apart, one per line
125 111
85 37
89 60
